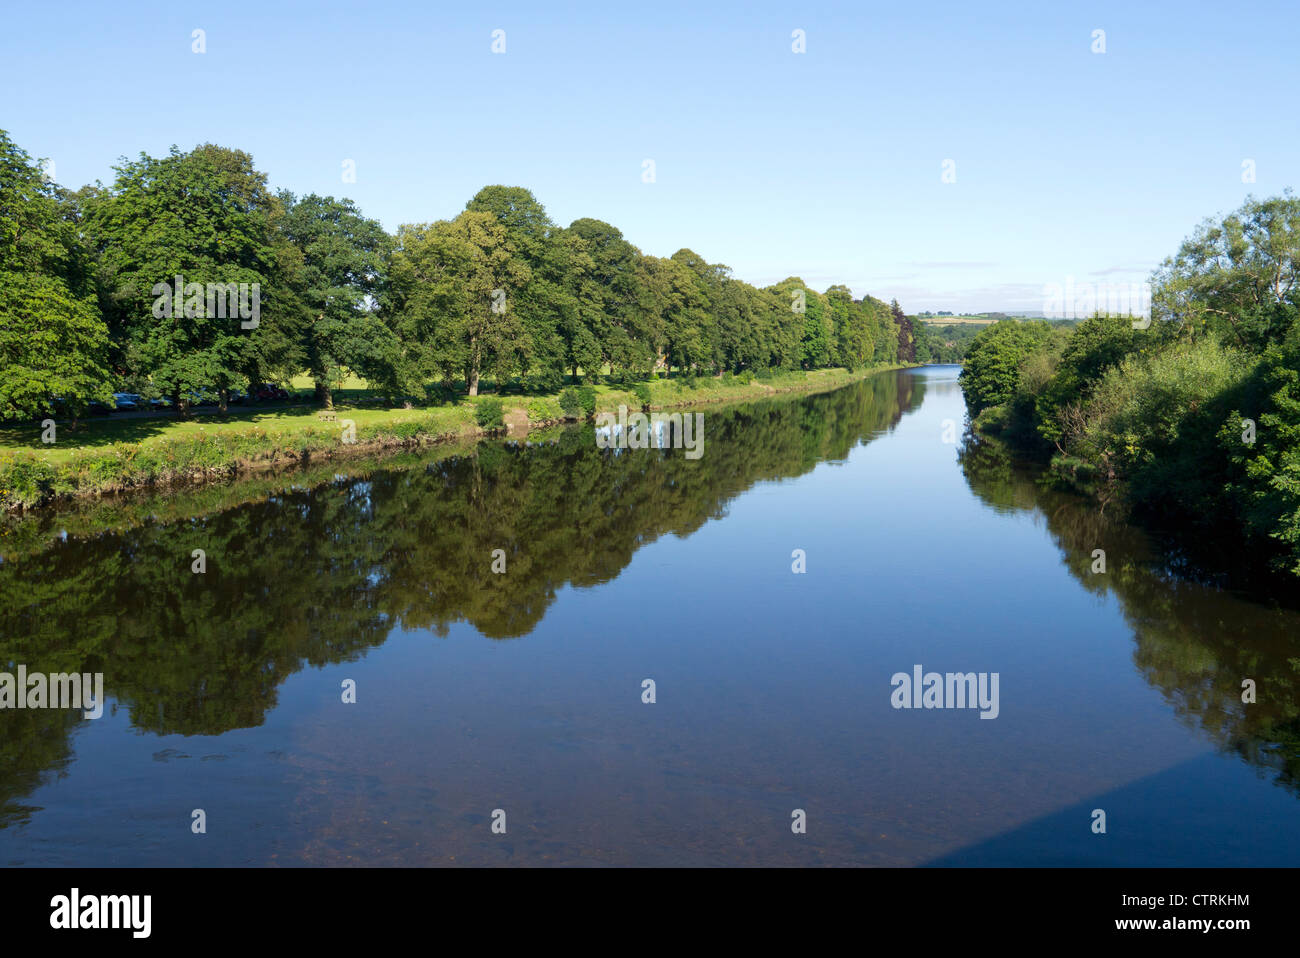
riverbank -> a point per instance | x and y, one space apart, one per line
108 456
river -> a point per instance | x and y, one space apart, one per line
500 718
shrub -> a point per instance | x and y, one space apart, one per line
1091 348
25 479
542 409
570 402
587 400
1155 420
488 413
643 394
1264 476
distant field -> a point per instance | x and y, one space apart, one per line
967 320
303 382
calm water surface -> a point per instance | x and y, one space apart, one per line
475 691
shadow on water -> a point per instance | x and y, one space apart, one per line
1198 646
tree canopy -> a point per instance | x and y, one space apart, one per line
187 273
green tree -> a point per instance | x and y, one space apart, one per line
1092 347
992 370
1239 276
452 286
338 272
205 216
1263 479
543 303
53 340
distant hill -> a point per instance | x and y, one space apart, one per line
984 319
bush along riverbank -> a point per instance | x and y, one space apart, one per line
1189 417
85 462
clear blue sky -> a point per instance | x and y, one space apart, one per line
825 164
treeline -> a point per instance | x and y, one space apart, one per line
1194 415
89 297
937 343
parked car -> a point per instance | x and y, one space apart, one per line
268 392
161 402
127 401
202 397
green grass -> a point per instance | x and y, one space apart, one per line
304 383
287 421
108 454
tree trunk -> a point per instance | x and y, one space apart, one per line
324 395
223 400
471 374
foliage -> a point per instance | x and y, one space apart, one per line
272 284
992 370
205 220
53 340
1238 278
488 412
570 402
1263 481
338 266
1196 413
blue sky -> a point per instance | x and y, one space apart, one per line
826 164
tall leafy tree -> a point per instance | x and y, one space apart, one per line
53 340
544 303
606 286
906 335
207 217
338 270
1238 276
452 285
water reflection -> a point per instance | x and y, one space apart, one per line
1195 643
775 686
315 575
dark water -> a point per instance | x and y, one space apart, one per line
523 692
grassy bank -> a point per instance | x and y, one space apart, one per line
111 455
